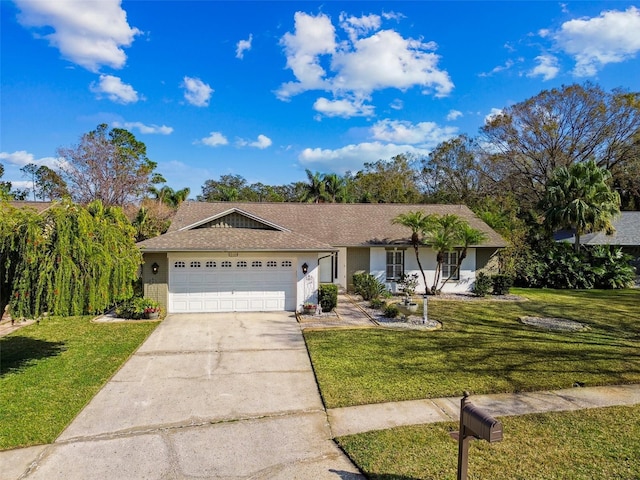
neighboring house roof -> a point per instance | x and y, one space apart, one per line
300 226
627 233
37 206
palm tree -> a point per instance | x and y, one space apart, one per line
443 236
315 189
169 196
419 223
334 187
579 197
467 236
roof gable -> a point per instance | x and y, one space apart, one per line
235 218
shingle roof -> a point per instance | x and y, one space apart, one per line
627 232
37 206
233 239
312 226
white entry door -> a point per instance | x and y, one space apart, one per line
224 284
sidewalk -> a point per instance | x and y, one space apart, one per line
364 418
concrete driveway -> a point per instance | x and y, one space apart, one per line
206 396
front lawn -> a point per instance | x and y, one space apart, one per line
49 372
600 443
483 348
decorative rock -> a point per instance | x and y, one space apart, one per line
554 323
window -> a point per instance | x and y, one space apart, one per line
272 264
286 263
179 265
241 264
195 265
449 266
226 264
395 264
210 264
256 264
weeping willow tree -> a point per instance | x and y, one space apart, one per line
71 260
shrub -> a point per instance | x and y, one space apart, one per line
377 303
328 296
482 285
408 283
558 265
502 283
391 311
368 286
129 309
136 307
611 266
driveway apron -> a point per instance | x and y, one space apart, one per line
225 396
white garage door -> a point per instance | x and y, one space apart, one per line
211 284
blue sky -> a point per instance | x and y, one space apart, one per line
268 89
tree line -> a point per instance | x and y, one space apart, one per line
566 158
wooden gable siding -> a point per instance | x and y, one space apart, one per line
236 220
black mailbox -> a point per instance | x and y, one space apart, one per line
474 423
481 424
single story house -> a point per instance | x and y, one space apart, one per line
226 256
626 234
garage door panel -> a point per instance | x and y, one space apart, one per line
222 285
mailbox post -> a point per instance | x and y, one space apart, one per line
474 423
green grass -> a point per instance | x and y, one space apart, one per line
49 372
483 348
550 446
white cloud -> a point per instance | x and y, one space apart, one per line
397 104
89 34
387 60
196 92
500 68
547 67
242 46
424 134
215 139
113 88
262 142
492 114
612 37
357 27
454 115
344 108
21 158
314 36
356 67
145 129
353 157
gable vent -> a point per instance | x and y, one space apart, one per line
236 220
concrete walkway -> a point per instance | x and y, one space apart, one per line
208 396
364 418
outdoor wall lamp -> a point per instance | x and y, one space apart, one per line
305 268
154 268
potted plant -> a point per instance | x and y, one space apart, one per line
150 308
408 284
309 308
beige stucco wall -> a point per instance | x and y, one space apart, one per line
155 286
